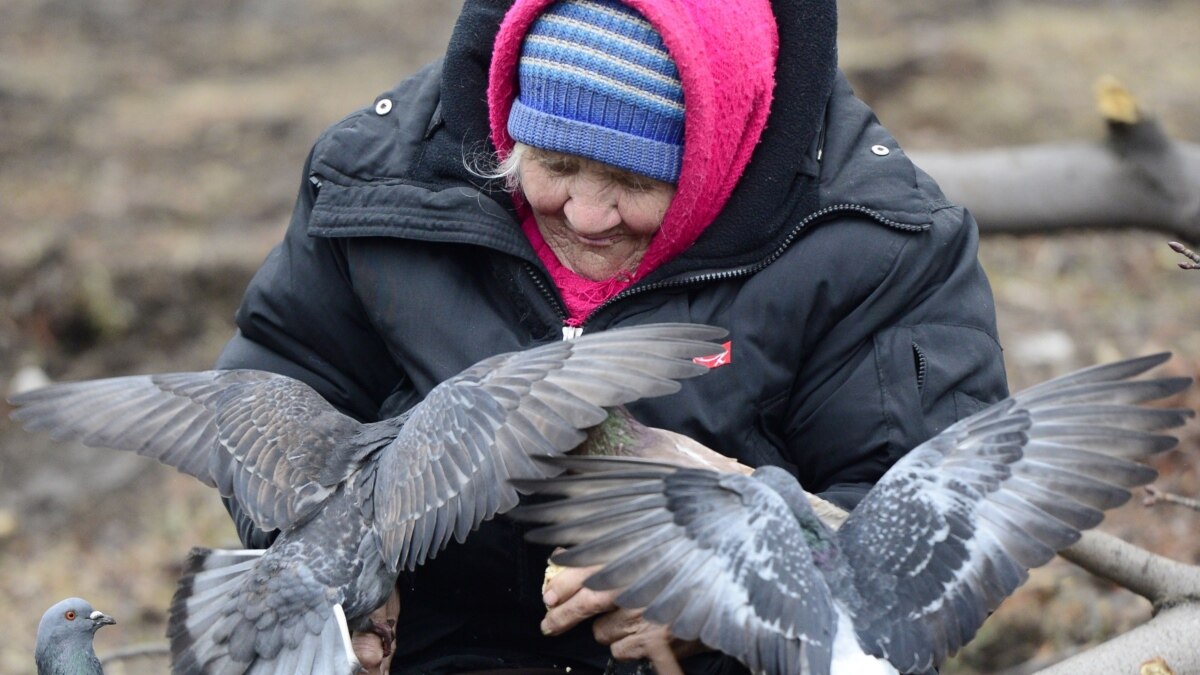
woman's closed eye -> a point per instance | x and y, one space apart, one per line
633 182
558 165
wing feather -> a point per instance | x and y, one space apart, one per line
955 525
258 437
481 426
658 529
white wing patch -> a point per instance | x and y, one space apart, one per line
344 628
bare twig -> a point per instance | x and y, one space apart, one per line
1154 496
1187 253
137 651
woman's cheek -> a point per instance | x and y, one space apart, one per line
645 215
545 199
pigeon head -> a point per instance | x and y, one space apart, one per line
73 616
786 486
64 638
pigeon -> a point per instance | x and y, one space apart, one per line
742 563
354 502
64 639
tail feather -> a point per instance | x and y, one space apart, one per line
207 636
306 656
331 652
218 580
210 578
337 654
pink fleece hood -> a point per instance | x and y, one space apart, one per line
725 51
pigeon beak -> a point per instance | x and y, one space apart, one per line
101 619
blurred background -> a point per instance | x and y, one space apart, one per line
150 151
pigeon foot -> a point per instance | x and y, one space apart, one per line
386 630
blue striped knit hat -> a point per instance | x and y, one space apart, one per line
596 81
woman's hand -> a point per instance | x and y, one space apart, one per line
373 654
625 632
567 601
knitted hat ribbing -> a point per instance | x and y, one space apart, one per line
596 81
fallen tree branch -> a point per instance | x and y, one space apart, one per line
1162 581
1136 178
1170 635
1051 188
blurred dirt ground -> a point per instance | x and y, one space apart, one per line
150 152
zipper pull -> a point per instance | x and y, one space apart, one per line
572 332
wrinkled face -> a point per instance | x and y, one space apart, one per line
597 219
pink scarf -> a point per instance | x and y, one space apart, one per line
725 51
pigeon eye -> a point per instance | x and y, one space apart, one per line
70 615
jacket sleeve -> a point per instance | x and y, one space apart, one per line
300 317
916 353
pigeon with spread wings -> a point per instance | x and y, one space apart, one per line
948 533
355 502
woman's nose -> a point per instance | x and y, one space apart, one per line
592 212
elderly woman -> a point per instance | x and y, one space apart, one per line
642 161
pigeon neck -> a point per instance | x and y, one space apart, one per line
66 659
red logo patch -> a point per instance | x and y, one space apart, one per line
717 360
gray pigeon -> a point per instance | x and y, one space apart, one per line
64 639
354 502
743 564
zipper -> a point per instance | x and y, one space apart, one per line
921 366
572 332
756 267
821 133
568 332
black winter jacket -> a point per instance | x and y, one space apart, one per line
861 322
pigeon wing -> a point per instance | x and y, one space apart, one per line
953 528
262 438
448 468
719 558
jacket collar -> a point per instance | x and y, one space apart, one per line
862 164
841 171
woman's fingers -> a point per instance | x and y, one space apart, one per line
629 636
568 602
